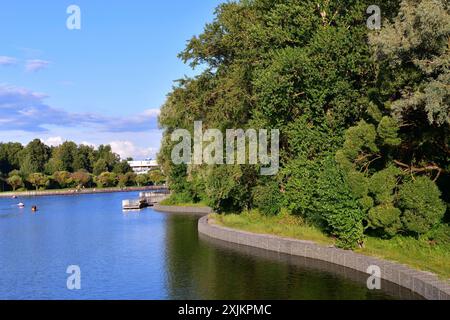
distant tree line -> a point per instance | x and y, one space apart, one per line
38 166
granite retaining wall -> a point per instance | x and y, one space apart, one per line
183 209
422 283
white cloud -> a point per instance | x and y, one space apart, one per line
127 149
23 109
89 144
7 61
152 112
53 141
36 65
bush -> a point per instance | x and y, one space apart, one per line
228 188
421 204
81 178
440 235
142 180
383 183
63 178
268 198
386 218
106 179
178 198
127 179
15 181
339 206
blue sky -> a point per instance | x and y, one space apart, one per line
103 84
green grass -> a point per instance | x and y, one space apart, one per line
282 225
170 201
418 254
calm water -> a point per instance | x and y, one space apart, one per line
148 255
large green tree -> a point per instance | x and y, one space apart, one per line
34 157
356 108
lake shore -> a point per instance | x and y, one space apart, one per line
425 284
73 192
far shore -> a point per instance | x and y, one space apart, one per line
72 192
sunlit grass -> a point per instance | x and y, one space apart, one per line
283 225
171 202
418 254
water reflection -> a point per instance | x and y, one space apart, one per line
205 268
148 255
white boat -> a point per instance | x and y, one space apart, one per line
20 205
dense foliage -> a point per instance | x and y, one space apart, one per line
363 114
38 166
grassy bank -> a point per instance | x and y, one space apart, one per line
175 200
418 254
184 204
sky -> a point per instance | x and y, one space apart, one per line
101 84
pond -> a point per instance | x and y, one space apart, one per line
150 255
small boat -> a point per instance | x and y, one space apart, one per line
21 205
14 197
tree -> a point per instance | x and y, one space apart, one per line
100 166
412 53
82 178
66 153
142 180
127 179
10 156
122 167
34 157
63 178
111 159
38 180
106 179
84 158
421 204
156 177
15 181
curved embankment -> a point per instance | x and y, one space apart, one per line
425 284
183 210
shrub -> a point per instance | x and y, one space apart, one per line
106 179
142 180
81 178
440 235
15 181
386 218
421 204
339 206
63 178
38 180
178 198
383 183
268 198
127 179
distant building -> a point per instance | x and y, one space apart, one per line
143 167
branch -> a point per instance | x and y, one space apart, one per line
431 167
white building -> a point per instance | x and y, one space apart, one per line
143 167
